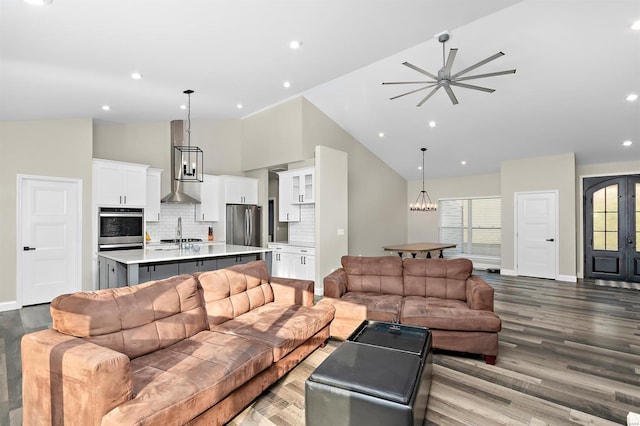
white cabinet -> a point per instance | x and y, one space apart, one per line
302 186
120 184
290 261
295 187
240 190
287 212
152 209
208 192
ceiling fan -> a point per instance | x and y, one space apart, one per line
446 79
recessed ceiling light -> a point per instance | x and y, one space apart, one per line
632 97
432 124
381 135
239 106
627 143
136 76
183 107
295 44
286 84
106 108
419 167
636 26
464 163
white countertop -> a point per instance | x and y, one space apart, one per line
170 253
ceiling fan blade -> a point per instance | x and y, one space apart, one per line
428 96
469 86
491 74
453 98
450 59
420 70
479 64
409 82
413 91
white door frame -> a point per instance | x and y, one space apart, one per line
20 178
555 193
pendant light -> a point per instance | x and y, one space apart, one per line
423 202
189 158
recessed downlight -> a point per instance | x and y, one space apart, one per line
136 76
106 108
636 26
627 143
295 44
239 106
419 167
632 97
464 163
381 135
432 124
286 84
183 107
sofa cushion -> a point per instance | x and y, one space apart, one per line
176 384
373 306
133 320
381 274
235 290
439 314
281 327
442 278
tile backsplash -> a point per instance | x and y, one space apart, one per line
304 231
166 228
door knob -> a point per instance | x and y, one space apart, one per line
550 239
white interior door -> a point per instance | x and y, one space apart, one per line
536 234
49 240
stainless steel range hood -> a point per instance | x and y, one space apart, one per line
176 196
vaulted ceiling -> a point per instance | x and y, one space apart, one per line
576 63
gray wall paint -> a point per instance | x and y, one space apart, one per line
57 148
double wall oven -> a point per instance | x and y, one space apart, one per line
120 228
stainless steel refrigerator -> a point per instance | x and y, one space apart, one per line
243 224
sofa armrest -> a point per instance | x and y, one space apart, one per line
290 291
335 284
67 380
479 294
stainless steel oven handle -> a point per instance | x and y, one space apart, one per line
123 245
121 214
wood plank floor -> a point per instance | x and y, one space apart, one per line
569 354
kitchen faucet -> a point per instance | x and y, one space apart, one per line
179 231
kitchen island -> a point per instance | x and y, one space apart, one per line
121 268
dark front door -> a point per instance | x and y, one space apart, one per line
612 216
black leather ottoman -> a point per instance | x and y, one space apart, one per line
368 384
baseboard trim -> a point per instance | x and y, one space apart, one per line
510 272
9 306
568 278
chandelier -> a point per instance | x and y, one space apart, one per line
189 158
423 202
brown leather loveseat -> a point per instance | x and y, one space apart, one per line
441 294
191 349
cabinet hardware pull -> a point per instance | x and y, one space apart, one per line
121 199
27 248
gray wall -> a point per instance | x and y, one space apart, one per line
56 148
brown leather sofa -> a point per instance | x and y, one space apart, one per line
440 294
191 349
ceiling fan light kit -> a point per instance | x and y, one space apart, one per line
445 78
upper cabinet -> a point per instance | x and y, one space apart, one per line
120 184
296 186
240 190
208 192
152 209
302 185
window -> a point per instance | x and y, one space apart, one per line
474 224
